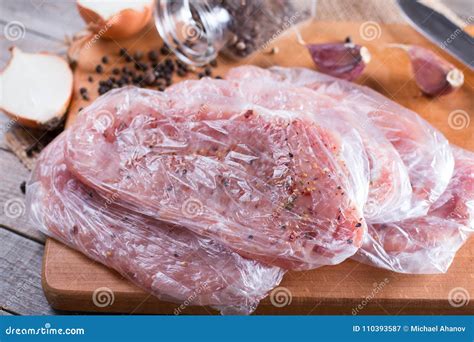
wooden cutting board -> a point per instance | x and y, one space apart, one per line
70 279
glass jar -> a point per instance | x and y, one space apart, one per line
197 30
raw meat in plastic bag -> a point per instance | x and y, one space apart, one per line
425 151
288 99
169 261
390 187
271 185
457 202
427 244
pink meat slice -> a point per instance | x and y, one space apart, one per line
427 244
425 151
286 100
271 185
168 261
390 188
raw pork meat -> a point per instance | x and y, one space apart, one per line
390 187
424 150
272 185
287 99
427 244
169 261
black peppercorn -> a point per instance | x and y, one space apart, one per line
123 52
152 56
164 50
23 187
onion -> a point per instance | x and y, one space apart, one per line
35 88
116 19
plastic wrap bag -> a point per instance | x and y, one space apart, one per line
427 244
425 151
272 185
285 100
169 261
390 187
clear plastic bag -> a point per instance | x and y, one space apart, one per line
390 188
168 261
425 151
289 101
271 184
427 244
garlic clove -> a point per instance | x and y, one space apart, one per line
342 60
434 75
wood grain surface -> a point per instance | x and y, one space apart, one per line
24 295
70 279
10 192
40 34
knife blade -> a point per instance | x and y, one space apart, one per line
440 30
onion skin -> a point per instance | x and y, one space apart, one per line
434 75
122 25
342 60
47 125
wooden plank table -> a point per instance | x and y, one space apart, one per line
21 245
